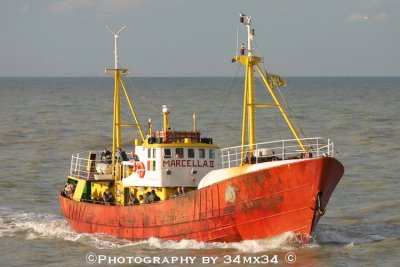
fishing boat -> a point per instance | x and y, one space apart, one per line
188 188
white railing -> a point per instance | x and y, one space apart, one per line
85 167
276 150
91 165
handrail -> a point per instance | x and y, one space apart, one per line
276 150
84 167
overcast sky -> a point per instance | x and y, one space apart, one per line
198 37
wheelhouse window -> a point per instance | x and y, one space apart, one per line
202 153
179 152
190 153
211 153
167 153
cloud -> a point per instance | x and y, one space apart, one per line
100 8
97 16
371 3
64 6
117 6
25 8
381 16
356 17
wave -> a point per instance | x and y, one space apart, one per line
51 226
35 225
285 241
376 207
32 226
348 236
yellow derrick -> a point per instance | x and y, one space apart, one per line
270 81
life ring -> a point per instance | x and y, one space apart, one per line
140 169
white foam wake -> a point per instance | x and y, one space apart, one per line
51 226
35 225
284 241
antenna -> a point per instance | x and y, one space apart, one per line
237 41
116 59
246 21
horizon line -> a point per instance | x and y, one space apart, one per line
288 76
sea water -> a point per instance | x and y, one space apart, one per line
44 120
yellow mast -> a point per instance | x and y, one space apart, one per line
118 73
251 113
248 121
117 111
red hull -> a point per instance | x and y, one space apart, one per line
255 205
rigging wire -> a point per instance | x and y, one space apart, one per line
226 99
277 125
237 41
290 111
142 96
